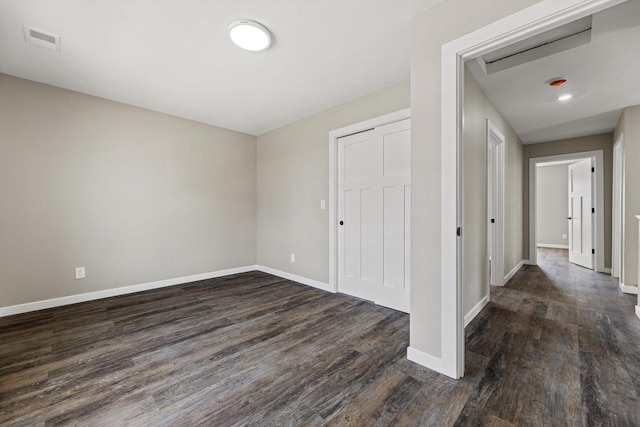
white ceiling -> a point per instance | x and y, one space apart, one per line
603 76
175 56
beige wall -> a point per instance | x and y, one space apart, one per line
477 109
430 30
602 142
132 195
552 206
630 124
293 176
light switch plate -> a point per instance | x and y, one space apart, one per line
80 273
323 204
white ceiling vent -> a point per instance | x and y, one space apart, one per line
42 39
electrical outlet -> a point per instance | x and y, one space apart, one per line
293 257
564 237
80 273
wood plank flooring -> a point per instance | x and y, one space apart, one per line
559 345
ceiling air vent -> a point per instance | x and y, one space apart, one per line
42 39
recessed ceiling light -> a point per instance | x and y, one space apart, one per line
565 97
250 35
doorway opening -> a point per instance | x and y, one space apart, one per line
534 21
567 210
583 207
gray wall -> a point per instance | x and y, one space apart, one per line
552 207
293 176
444 22
477 109
629 124
574 145
133 195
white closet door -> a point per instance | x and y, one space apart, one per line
580 213
374 206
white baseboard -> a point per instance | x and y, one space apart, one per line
515 270
293 277
475 310
428 361
552 246
91 296
605 270
638 310
628 289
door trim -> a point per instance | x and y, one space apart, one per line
334 135
598 189
528 22
617 214
497 264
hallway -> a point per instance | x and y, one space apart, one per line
561 347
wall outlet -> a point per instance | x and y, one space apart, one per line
323 204
293 257
80 273
564 237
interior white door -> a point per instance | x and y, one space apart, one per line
373 214
580 213
491 210
495 206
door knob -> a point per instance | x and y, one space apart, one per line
341 222
569 217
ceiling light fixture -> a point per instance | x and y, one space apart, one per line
250 35
565 97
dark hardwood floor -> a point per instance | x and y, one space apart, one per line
559 345
564 349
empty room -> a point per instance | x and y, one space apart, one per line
283 212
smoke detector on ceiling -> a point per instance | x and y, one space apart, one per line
557 81
42 38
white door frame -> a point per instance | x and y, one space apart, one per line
495 251
617 214
533 20
333 180
597 182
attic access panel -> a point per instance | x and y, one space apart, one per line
565 37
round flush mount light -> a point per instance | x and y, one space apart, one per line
565 97
250 35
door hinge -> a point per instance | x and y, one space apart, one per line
593 169
593 210
593 251
459 231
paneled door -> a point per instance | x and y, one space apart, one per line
495 206
580 213
374 214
